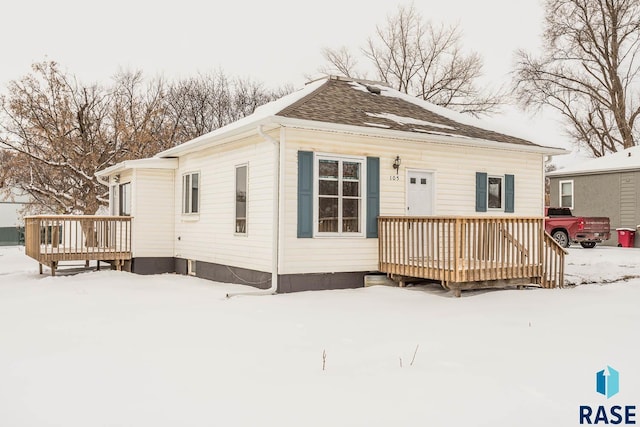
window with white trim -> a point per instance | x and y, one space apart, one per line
495 192
339 195
566 194
124 191
191 193
241 199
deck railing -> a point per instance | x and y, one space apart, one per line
553 262
54 238
457 250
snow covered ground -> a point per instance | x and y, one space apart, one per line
115 349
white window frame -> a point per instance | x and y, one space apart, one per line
235 206
566 181
127 199
502 199
316 190
186 199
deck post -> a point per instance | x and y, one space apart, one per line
53 266
40 264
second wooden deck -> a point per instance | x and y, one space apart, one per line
53 239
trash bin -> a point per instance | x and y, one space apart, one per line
626 237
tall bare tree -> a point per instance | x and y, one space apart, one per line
422 59
588 71
200 104
56 133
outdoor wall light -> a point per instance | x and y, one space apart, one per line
396 164
116 178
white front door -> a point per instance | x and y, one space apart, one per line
419 193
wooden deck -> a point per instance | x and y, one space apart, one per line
52 239
465 253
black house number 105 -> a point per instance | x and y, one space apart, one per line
394 178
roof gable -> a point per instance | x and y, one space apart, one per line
349 102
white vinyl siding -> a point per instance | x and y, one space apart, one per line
153 213
454 169
213 237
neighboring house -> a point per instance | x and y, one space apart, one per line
295 189
604 186
11 222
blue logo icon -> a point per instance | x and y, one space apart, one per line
608 382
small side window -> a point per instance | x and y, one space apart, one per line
124 199
566 194
495 192
191 193
241 199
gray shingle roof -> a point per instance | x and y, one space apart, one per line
349 102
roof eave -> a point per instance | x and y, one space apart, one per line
148 163
423 137
561 173
213 139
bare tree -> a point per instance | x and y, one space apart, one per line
56 133
424 60
588 72
340 61
201 104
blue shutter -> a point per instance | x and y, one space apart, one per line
373 196
305 194
481 192
509 193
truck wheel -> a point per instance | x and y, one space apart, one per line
562 238
588 245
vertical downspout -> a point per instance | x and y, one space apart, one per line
278 154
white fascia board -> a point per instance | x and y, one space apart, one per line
218 137
419 137
561 173
149 163
225 136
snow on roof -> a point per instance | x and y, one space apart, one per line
628 159
408 120
491 124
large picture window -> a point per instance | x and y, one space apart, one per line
566 194
339 195
241 199
191 193
124 192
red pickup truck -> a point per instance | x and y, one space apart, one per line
567 229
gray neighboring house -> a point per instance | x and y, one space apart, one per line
604 186
11 220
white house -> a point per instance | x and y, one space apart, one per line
289 196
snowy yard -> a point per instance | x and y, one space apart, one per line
115 349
